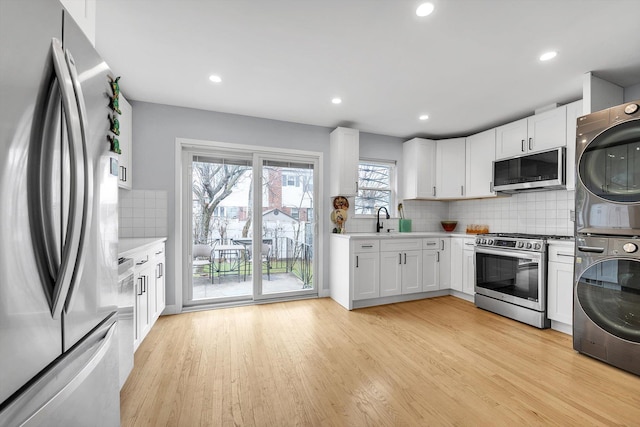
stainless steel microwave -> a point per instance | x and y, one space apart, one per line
531 172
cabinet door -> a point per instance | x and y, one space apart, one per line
480 154
444 264
412 272
419 158
366 282
430 270
547 130
511 139
468 271
125 139
560 292
345 156
141 309
457 260
390 273
450 168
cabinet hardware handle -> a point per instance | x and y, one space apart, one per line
593 249
125 174
357 187
469 244
434 191
431 243
405 257
140 285
142 262
357 261
400 259
366 246
162 269
442 247
522 148
437 256
567 255
462 190
158 253
530 143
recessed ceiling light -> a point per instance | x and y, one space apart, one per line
425 9
424 117
336 100
548 55
214 78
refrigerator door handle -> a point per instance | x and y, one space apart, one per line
56 256
85 199
61 381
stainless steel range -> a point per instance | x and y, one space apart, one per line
511 276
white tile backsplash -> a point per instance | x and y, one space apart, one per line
142 213
544 212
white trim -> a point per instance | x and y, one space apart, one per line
183 145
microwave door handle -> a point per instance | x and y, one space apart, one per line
591 249
84 169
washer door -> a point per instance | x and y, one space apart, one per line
609 293
609 167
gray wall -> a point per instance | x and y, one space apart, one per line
156 127
632 93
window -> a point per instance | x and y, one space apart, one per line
375 187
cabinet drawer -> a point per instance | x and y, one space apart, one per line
469 244
400 245
561 254
366 246
434 244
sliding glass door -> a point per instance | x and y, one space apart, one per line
251 223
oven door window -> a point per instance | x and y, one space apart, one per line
610 164
508 275
609 293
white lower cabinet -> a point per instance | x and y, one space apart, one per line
560 283
436 261
468 268
400 266
150 289
366 270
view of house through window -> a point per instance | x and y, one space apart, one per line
375 187
226 256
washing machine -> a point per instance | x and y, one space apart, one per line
606 300
608 171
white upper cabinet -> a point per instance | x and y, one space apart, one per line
125 177
480 154
345 156
419 158
450 168
540 132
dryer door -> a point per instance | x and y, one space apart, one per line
609 293
609 166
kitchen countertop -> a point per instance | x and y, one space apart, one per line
129 246
398 235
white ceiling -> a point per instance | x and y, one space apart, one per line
470 65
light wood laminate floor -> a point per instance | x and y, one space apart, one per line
438 361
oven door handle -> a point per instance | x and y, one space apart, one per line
534 256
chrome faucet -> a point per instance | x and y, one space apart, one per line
379 225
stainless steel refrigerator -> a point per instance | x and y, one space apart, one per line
58 223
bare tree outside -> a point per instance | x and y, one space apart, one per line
212 183
374 188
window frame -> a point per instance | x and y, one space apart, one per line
393 171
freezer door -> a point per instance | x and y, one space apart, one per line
94 291
81 389
30 339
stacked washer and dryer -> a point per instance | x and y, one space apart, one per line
606 313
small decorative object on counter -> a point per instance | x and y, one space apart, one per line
477 229
449 225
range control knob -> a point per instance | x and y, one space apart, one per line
536 246
528 245
631 108
477 241
630 248
483 241
490 241
520 244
